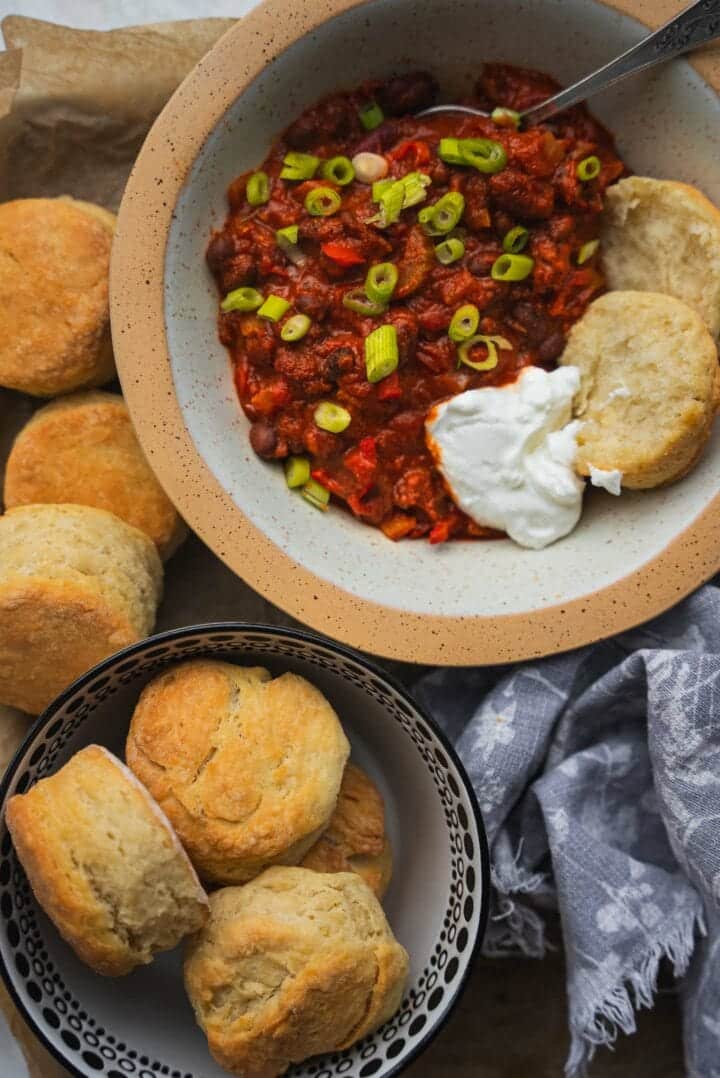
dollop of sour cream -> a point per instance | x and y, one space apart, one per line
507 455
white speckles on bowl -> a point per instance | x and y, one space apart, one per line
465 602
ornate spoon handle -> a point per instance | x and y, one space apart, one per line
696 25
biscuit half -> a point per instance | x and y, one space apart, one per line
663 236
650 387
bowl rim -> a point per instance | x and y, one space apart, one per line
137 313
343 651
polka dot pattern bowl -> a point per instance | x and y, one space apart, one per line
142 1025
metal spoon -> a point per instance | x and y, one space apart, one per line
696 25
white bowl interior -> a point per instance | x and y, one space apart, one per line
437 870
666 124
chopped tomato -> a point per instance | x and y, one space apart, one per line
440 532
343 254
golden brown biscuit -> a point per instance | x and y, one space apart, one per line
650 386
663 236
105 864
291 965
54 316
83 449
247 768
76 584
355 839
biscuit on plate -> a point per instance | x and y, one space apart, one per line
82 448
291 965
76 584
105 864
54 314
663 236
355 839
248 768
649 390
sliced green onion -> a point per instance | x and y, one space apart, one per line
414 185
371 116
295 328
257 191
589 168
332 417
338 169
484 154
297 471
287 235
287 241
381 353
379 186
449 251
491 343
464 322
356 300
273 308
322 202
444 215
449 150
505 117
299 166
512 267
587 251
391 204
401 194
316 494
516 240
242 299
380 282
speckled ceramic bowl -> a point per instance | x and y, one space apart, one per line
463 602
142 1025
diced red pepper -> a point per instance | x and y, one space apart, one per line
389 389
420 151
332 483
343 254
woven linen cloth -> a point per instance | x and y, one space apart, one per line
598 776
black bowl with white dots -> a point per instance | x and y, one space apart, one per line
142 1025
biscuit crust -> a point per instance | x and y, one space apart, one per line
82 449
355 839
663 236
76 584
105 864
650 386
293 964
247 768
54 315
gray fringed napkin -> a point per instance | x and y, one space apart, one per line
598 775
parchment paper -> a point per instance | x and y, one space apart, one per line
75 107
